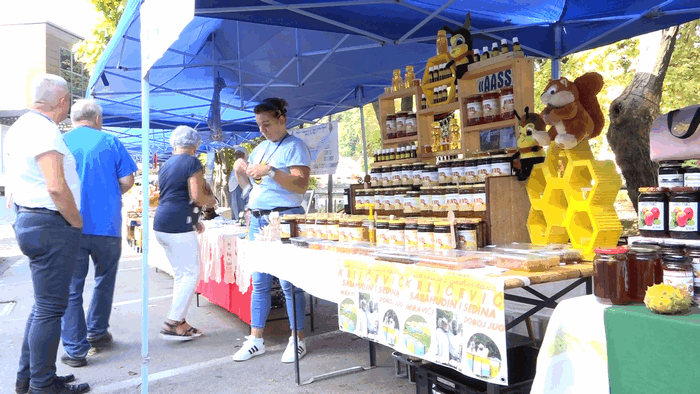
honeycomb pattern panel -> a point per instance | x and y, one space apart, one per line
542 232
537 183
592 227
596 182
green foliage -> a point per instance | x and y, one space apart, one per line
350 133
682 85
89 50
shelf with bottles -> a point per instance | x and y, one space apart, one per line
394 162
438 109
388 107
399 141
433 79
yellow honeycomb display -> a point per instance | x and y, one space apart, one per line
572 198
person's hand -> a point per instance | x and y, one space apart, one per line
240 166
258 171
200 227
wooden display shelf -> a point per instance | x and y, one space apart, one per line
496 60
439 109
491 126
452 152
394 162
402 140
407 92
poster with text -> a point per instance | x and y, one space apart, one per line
322 140
446 317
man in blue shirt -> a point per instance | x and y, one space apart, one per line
106 172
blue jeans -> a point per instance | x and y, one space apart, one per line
51 245
262 283
105 253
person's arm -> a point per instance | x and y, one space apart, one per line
51 165
199 191
240 167
296 180
126 183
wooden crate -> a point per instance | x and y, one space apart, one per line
507 208
388 107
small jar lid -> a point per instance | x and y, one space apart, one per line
676 261
653 189
671 163
684 190
431 167
426 227
613 251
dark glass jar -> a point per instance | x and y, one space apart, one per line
479 192
390 127
475 110
417 174
322 228
444 173
375 176
501 166
610 276
471 169
467 236
491 104
643 270
360 207
285 229
426 236
426 201
430 176
670 250
691 177
411 234
396 233
379 202
458 172
653 211
443 236
406 175
452 199
507 103
411 125
411 204
333 229
439 202
671 174
683 210
678 272
483 169
382 232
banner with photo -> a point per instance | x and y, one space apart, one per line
442 316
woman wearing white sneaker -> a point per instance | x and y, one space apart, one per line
278 172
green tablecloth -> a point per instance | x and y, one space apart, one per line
650 353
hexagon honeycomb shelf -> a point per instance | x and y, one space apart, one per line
572 197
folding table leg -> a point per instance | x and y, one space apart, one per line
293 318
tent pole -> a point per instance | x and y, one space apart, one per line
364 139
556 61
145 161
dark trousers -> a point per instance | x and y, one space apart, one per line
51 245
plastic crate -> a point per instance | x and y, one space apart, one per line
404 367
436 379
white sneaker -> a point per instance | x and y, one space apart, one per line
251 347
288 356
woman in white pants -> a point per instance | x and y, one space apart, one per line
176 224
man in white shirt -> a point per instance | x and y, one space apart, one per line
45 190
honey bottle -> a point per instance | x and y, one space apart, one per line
485 53
396 82
431 74
435 95
423 102
516 45
477 56
494 49
409 77
441 42
504 46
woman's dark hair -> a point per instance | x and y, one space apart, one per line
272 104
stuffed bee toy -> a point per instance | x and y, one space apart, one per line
461 47
529 150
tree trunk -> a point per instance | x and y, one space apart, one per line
631 116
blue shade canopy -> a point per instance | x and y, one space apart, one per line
324 57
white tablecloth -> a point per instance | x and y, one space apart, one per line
573 358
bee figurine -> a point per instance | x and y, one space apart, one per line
461 49
529 150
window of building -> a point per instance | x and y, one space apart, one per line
74 73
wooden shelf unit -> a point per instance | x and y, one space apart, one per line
393 162
400 141
388 107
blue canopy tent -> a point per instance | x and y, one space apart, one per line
323 57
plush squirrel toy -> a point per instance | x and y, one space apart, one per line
572 109
461 46
529 151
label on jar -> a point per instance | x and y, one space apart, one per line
500 169
390 126
333 232
382 236
301 228
426 202
386 179
406 177
401 125
378 201
683 216
483 171
358 201
507 103
682 280
470 173
322 231
354 234
397 238
458 174
444 175
651 216
342 234
396 178
368 200
312 231
439 203
417 177
285 230
452 202
411 204
430 178
376 179
411 238
479 201
426 240
443 241
670 180
691 179
475 110
386 203
397 204
490 107
411 128
466 202
466 240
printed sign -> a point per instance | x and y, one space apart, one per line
495 81
322 140
497 138
445 317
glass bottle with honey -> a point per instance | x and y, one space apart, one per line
516 45
504 46
494 49
455 134
441 42
436 134
409 77
396 82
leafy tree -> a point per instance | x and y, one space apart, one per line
681 85
89 50
350 133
